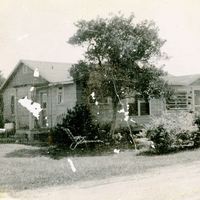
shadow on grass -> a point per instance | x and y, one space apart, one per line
60 152
171 151
146 153
55 152
91 150
26 153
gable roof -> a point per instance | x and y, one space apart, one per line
182 80
53 72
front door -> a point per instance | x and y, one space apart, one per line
43 114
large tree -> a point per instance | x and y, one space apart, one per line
118 59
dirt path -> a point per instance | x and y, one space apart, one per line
180 182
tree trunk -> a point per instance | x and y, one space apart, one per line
114 118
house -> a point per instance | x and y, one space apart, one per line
53 88
186 97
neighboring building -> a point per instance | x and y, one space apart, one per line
186 93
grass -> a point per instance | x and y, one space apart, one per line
26 167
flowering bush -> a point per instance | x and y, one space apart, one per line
171 129
176 122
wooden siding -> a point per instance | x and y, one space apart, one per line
157 106
8 92
54 109
103 113
21 113
25 78
19 87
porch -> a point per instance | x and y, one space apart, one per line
185 98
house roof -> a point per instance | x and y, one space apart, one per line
53 72
182 80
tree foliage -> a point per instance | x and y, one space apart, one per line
118 58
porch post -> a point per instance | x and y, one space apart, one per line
16 110
193 100
31 122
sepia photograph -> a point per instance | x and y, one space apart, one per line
99 100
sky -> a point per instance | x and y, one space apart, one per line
40 29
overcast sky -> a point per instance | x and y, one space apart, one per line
39 29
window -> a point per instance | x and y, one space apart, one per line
177 101
60 95
138 108
12 105
144 108
44 100
133 109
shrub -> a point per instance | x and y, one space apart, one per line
59 137
176 122
196 138
171 130
128 133
196 134
122 134
197 121
162 138
80 122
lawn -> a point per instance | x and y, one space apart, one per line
26 167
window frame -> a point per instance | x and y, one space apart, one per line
138 105
60 91
139 108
